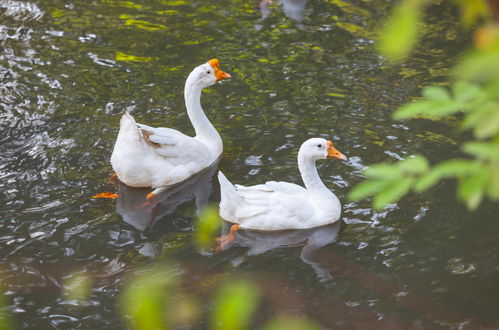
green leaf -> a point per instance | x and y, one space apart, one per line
482 150
493 183
464 91
401 31
144 300
488 126
450 168
235 304
439 108
392 192
478 66
382 171
475 115
455 167
411 109
207 227
417 164
436 93
471 188
364 189
427 181
429 108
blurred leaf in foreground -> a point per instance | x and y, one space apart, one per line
207 227
144 301
402 30
235 304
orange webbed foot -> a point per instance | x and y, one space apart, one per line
224 240
150 200
106 195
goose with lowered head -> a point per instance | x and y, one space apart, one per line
282 205
145 156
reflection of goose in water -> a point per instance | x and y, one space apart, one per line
137 211
294 9
259 242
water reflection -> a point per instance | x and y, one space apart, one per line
142 214
294 9
311 240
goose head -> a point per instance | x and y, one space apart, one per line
318 148
207 74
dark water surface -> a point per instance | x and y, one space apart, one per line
68 70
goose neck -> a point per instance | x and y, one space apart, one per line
309 175
202 126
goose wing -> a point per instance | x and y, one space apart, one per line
175 146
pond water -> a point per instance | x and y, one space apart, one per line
69 69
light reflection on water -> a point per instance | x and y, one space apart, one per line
69 69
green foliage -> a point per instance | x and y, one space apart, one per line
235 303
145 300
401 31
474 93
207 227
389 182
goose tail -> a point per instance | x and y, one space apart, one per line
228 197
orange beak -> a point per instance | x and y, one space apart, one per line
219 74
332 152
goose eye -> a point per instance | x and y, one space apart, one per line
319 145
208 71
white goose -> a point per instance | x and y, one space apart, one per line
282 205
145 156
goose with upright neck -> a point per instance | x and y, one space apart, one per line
282 205
145 156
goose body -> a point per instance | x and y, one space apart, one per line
145 156
282 205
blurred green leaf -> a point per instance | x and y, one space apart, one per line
401 31
471 188
417 164
392 192
464 91
365 189
450 168
382 171
207 227
234 306
493 184
144 300
436 93
482 150
488 126
478 66
481 113
427 181
291 323
411 109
